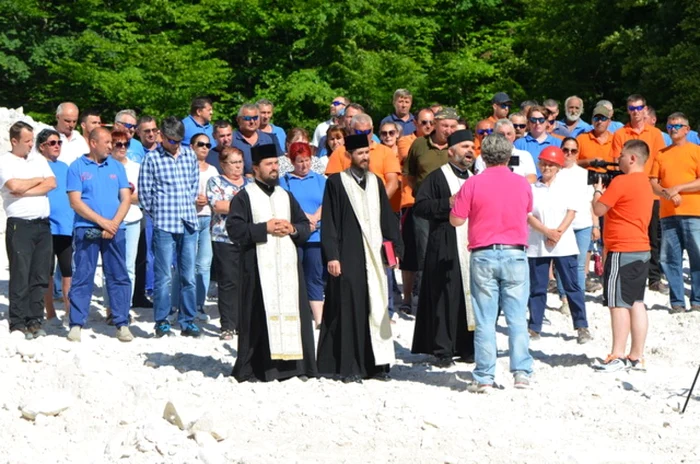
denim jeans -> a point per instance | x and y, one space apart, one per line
132 233
165 244
583 240
202 265
500 278
680 233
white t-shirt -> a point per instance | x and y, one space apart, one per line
15 167
73 147
550 205
204 177
132 175
525 167
320 132
576 180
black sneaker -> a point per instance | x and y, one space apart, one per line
191 330
163 329
34 328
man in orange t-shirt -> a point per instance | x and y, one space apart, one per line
501 104
627 205
675 177
483 128
638 129
596 145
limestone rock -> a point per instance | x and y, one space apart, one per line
50 404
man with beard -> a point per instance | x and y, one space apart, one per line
276 338
444 305
572 125
355 340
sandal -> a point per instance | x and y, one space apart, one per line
226 335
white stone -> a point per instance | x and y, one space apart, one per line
49 404
207 423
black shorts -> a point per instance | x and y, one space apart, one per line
625 278
63 250
408 235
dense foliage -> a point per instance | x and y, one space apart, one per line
156 56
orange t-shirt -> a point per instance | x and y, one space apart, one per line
589 147
404 144
630 199
676 165
381 161
650 134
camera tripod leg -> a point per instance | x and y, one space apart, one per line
692 387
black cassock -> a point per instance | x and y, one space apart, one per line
441 320
345 347
253 359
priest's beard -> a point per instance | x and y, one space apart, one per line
462 162
360 170
272 179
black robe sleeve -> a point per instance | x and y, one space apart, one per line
330 234
299 221
389 221
240 226
431 202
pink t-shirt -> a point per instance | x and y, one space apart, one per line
496 203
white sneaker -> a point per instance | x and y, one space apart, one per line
74 334
124 334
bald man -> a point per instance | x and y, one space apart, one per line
74 145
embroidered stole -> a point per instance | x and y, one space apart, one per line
367 209
455 183
279 279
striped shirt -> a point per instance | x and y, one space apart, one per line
168 188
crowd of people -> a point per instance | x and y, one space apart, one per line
301 233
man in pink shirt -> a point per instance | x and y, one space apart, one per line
496 204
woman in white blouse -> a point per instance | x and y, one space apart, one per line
552 239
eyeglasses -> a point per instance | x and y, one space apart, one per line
484 131
635 108
504 106
363 132
53 143
598 118
232 162
122 144
427 123
537 120
127 125
203 144
249 118
173 142
337 103
571 151
390 133
520 126
150 131
676 127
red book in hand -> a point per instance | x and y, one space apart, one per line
388 253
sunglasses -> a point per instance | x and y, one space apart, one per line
635 108
504 106
337 103
127 125
122 144
520 126
150 131
571 151
390 133
551 121
203 144
484 131
249 118
53 143
677 127
427 123
173 142
598 118
363 132
537 120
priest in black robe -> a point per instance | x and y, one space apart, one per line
255 360
441 327
355 340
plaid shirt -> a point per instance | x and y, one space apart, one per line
168 189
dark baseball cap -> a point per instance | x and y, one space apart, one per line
501 97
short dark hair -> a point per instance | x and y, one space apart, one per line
45 134
634 97
356 106
87 113
16 129
568 139
172 127
221 124
145 119
199 103
638 147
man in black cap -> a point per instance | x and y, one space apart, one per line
356 224
445 323
501 104
276 338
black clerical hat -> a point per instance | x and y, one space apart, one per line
460 136
260 152
353 142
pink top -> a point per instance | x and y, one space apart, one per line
496 203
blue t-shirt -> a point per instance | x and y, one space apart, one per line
241 143
407 127
308 191
578 129
614 126
532 146
192 127
135 152
62 214
693 137
99 185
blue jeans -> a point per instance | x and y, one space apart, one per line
680 233
202 265
84 264
132 233
500 278
583 240
150 259
164 245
